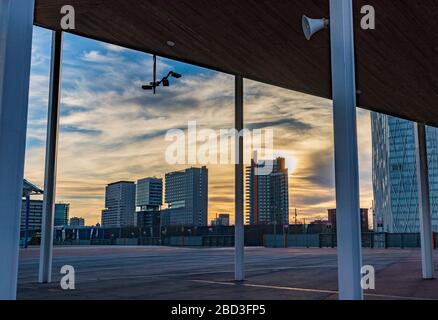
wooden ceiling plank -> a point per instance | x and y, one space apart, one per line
262 40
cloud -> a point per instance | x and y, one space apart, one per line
112 130
289 123
319 168
97 57
115 48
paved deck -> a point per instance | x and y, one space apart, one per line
197 274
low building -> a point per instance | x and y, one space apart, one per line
296 228
149 223
223 219
363 219
77 222
318 227
31 210
36 215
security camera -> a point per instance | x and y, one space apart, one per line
312 26
175 75
147 87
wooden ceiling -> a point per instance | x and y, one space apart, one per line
262 40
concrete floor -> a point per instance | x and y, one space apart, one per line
207 274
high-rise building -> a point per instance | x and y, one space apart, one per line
395 175
61 214
186 196
149 194
35 215
77 222
267 194
119 205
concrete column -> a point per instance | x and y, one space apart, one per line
239 240
16 25
45 268
346 150
424 203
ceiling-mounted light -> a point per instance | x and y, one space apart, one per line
170 43
164 82
312 26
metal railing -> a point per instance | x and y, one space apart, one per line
223 238
329 240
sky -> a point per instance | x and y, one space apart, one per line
111 130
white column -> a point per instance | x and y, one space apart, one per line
16 24
424 202
346 150
45 270
239 241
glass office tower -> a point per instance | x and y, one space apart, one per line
119 209
186 196
149 194
395 174
62 214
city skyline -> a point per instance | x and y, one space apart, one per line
112 131
143 120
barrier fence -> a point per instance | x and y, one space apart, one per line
329 240
221 237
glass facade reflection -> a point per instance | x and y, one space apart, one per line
395 176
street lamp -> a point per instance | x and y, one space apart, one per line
164 81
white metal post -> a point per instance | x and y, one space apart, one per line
239 241
45 268
16 24
424 203
346 150
26 231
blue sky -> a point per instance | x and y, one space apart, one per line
112 130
